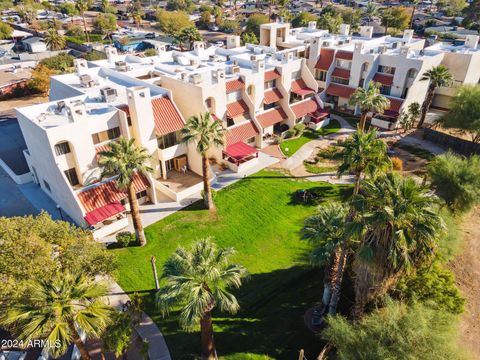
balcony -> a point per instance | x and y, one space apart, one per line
179 185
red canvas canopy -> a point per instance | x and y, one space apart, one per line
104 212
240 150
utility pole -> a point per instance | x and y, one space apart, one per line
154 267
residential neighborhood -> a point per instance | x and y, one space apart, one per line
239 180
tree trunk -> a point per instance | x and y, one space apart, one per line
411 19
332 308
85 27
78 342
356 189
207 191
363 120
329 277
426 105
206 330
135 211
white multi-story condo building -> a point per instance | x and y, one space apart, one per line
256 91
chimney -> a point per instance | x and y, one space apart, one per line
233 41
407 35
471 41
80 66
366 31
358 48
111 54
76 110
344 29
258 65
160 48
141 113
312 25
198 48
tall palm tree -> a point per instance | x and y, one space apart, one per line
57 310
327 230
136 12
399 233
54 40
363 153
436 76
125 160
369 100
414 7
82 6
370 11
204 132
197 280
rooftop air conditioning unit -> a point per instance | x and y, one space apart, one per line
196 79
86 80
325 43
253 57
121 66
235 69
60 106
108 94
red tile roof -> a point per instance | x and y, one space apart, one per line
272 95
344 55
234 85
341 73
271 117
271 75
124 108
237 108
303 108
107 193
241 132
167 118
300 88
340 90
101 148
395 104
384 79
325 59
240 150
104 212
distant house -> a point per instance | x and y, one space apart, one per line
450 31
34 44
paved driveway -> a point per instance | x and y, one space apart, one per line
12 144
12 200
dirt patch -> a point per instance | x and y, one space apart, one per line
466 267
412 164
10 104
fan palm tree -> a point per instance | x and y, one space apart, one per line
125 160
205 132
54 40
82 6
370 11
363 153
136 13
369 100
197 280
57 310
436 76
399 233
328 231
414 7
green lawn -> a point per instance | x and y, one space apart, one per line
259 217
308 135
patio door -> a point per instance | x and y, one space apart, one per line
168 166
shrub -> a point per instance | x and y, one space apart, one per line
150 52
397 163
299 129
289 133
124 238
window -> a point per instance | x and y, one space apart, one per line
385 89
141 194
361 83
269 106
234 96
344 64
72 177
339 80
269 84
62 148
386 69
412 73
230 122
129 120
364 67
296 75
103 136
47 186
250 90
320 75
167 141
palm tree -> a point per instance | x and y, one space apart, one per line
136 12
54 40
370 11
369 100
205 133
363 153
399 233
82 6
58 310
327 230
125 160
414 7
197 280
436 76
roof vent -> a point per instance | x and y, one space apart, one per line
108 94
86 80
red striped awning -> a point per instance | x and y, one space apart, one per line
241 132
303 108
103 213
300 88
344 55
340 90
341 73
107 193
237 108
325 59
167 118
124 108
240 150
384 79
271 117
234 85
102 148
272 95
271 75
